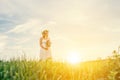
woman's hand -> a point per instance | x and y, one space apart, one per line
46 48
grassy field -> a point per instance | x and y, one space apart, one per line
107 69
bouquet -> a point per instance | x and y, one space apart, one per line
48 43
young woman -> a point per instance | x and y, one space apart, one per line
45 44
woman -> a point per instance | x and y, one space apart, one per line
45 44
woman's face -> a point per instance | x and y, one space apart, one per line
46 33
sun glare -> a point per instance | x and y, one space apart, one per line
73 58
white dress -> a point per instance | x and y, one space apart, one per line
45 54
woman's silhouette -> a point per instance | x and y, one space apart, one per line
45 44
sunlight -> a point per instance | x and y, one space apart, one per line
73 58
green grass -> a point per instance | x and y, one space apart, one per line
50 70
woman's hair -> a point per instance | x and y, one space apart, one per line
44 32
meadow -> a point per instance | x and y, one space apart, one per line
107 69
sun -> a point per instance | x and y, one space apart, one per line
73 58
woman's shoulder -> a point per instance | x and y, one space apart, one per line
41 38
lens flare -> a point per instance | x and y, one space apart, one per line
73 58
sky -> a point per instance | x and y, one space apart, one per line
88 27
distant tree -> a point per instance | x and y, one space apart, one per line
118 49
114 54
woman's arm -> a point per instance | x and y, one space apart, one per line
42 45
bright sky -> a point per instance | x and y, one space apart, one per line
89 27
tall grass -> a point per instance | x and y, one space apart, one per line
49 70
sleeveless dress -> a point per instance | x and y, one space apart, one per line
45 54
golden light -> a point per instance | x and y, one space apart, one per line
73 58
